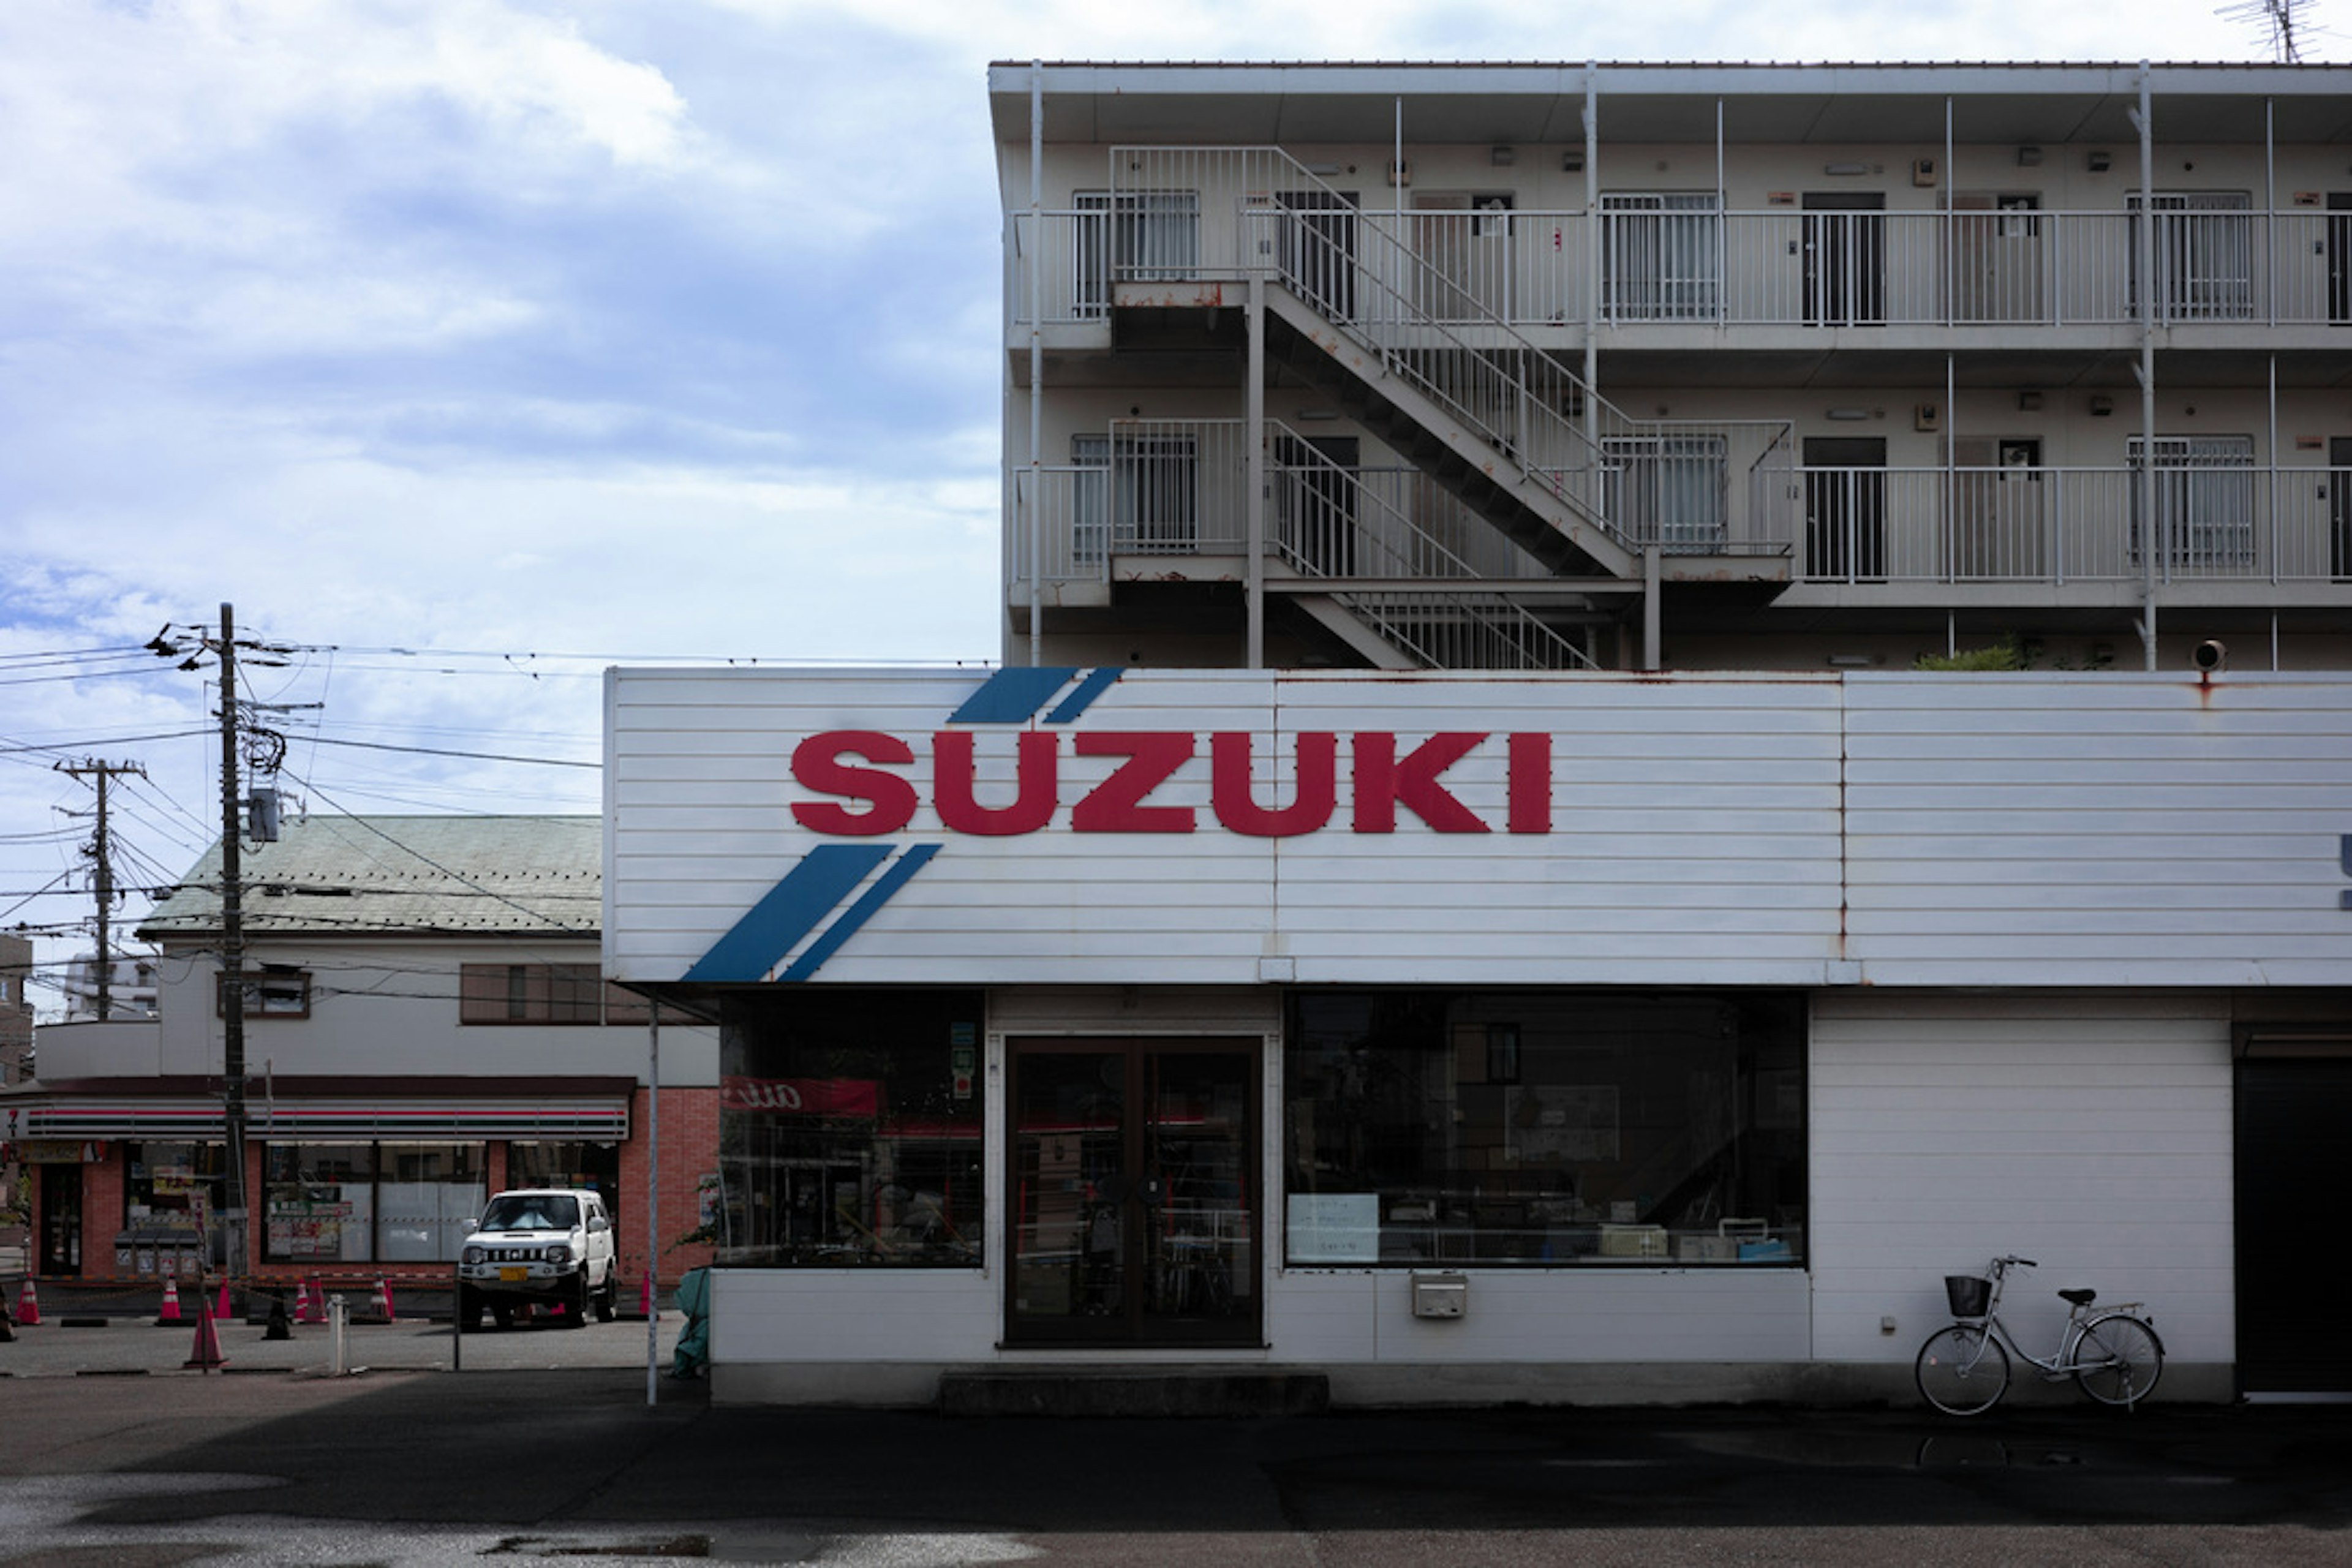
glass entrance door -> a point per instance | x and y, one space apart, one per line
1134 1191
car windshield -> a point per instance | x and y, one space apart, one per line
529 1211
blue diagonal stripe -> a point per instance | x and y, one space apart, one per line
1012 696
1096 682
758 941
858 913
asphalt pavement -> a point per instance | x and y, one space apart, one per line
411 1463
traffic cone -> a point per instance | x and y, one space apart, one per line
221 1312
646 1299
170 1318
7 1324
207 1352
278 1328
310 1305
383 1297
28 1304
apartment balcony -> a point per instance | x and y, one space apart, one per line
1778 278
1166 502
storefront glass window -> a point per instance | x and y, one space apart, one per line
1560 1127
321 1203
166 1186
849 1132
370 1203
425 1193
570 1164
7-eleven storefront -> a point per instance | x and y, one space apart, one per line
1469 1037
355 1178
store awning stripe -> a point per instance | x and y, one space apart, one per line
602 1122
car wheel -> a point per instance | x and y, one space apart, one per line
469 1308
576 1303
608 1298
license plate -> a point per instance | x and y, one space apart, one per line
513 1276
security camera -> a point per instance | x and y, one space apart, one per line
2210 655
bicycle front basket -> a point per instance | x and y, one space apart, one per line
1970 1295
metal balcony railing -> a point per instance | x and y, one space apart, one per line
1177 488
2209 523
1528 270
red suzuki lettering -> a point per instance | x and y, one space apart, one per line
1115 805
1034 792
1530 777
1383 782
1237 805
891 799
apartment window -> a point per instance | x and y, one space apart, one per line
1145 235
1574 1129
850 1131
1135 493
2204 244
2204 519
1668 489
1660 256
530 994
274 991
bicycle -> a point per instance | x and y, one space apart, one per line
2112 1354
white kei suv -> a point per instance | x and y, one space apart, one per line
539 1246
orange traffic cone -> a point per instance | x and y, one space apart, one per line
310 1304
29 1305
383 1297
207 1352
222 1311
170 1318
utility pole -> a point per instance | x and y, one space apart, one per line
102 772
232 979
194 642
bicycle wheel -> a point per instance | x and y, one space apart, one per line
1962 1370
2117 1360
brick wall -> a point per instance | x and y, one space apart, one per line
690 1150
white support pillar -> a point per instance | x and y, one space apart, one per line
1036 361
1254 440
2150 543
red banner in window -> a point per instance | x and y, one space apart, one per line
802 1096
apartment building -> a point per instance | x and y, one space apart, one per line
1675 366
1458 889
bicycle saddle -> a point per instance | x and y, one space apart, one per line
2079 1298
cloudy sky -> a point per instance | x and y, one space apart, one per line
467 346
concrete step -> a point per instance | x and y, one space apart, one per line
1227 1393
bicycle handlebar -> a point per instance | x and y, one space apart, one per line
2017 1262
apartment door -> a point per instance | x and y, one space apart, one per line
60 1220
1134 1191
1846 258
1316 502
1319 249
2339 507
1462 255
1997 516
1996 261
1845 508
2339 257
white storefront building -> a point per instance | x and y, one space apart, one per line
1481 1036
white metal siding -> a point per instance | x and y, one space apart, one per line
2090 1131
1887 830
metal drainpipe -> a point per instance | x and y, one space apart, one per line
1036 361
2142 118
